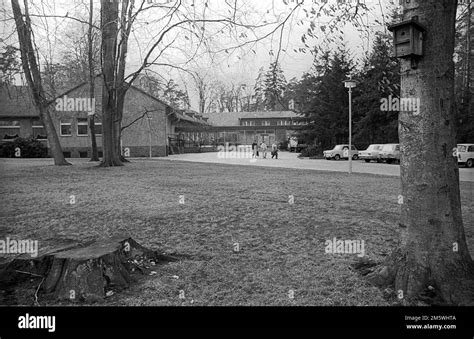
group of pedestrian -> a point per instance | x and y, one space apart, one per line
262 149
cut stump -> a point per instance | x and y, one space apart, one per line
85 272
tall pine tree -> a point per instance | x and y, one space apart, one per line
378 79
275 85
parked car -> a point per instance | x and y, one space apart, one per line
465 155
390 153
371 153
338 153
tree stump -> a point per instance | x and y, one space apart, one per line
84 272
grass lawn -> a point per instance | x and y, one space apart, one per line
281 245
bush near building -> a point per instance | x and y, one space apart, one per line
29 148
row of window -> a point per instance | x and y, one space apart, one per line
267 123
11 129
81 128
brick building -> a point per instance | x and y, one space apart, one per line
246 127
148 122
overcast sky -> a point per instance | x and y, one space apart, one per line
240 66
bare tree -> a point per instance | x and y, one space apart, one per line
30 65
204 90
9 66
91 61
116 24
177 22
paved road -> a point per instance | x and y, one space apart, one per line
290 160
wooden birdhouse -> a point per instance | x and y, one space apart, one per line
408 38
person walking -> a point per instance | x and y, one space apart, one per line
274 151
263 147
254 149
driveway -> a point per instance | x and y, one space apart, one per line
291 160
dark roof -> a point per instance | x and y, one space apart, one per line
17 102
180 117
413 21
233 118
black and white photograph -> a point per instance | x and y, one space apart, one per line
236 163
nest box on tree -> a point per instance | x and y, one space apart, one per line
408 40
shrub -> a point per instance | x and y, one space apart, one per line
312 151
29 148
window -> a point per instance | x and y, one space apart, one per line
98 128
266 123
67 154
9 129
66 129
83 154
82 127
39 132
470 149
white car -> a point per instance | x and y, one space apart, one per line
465 155
390 153
371 153
341 152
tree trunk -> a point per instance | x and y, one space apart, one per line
433 250
94 152
467 90
82 272
109 19
32 74
118 125
109 138
53 140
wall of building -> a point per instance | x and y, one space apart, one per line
136 138
145 132
23 129
146 121
249 134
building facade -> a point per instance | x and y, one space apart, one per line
245 128
148 123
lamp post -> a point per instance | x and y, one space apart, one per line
350 84
149 135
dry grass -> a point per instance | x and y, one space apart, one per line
281 244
